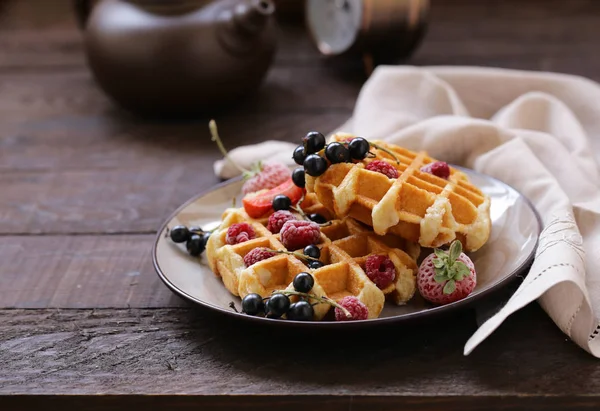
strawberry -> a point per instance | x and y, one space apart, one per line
446 277
260 203
265 176
261 176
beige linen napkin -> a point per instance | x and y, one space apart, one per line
538 132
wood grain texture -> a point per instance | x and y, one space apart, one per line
194 352
80 272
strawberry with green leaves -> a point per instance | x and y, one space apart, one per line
446 277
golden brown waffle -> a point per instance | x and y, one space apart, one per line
417 206
345 245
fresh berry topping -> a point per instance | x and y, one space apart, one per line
313 142
239 233
382 167
380 270
315 165
358 311
301 311
297 234
180 234
195 245
438 168
359 147
278 219
303 282
260 203
277 305
265 177
256 255
312 251
281 202
298 177
446 277
315 264
253 304
299 155
317 218
337 153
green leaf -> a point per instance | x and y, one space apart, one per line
440 278
441 271
438 263
441 254
460 270
455 250
450 287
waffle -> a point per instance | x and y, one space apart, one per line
417 206
345 245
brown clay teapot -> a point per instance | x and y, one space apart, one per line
178 57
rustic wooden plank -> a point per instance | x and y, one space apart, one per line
182 351
296 402
80 272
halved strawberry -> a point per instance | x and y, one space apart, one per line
260 203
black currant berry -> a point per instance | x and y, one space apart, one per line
359 147
299 155
180 234
195 245
303 282
312 251
298 177
301 311
337 153
281 202
315 264
315 165
317 218
205 237
313 142
277 305
253 304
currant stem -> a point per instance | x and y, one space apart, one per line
325 300
232 306
214 133
385 150
297 255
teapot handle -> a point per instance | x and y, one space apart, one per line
82 8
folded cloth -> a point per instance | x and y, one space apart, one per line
538 132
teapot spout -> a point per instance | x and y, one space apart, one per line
252 16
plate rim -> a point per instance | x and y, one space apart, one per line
409 317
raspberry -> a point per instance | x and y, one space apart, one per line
382 167
256 255
439 169
239 233
270 175
297 234
358 311
380 270
278 219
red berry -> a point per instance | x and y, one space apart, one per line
433 291
382 167
256 255
239 233
358 311
271 175
438 168
380 270
297 234
278 219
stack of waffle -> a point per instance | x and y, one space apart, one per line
417 206
345 245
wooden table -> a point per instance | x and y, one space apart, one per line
85 323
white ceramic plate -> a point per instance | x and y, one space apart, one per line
510 250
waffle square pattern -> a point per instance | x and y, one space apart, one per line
345 245
417 206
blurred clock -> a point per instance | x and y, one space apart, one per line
385 29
